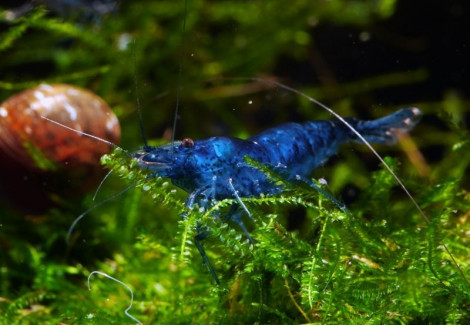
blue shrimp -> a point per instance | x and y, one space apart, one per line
215 169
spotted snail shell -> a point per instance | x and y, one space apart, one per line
34 148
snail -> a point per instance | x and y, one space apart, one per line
38 158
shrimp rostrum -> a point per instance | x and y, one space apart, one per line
216 168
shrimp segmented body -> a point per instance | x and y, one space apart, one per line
215 169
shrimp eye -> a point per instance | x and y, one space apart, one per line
187 143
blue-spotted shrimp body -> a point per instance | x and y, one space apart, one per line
212 168
215 169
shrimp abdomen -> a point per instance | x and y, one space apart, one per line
303 147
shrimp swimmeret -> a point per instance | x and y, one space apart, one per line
215 169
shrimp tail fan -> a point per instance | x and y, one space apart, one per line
386 130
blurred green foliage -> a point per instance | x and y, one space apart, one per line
310 262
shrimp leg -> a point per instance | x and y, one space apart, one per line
203 194
202 232
235 215
191 199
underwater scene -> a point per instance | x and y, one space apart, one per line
234 162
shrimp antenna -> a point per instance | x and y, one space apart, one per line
121 283
400 183
83 133
93 137
101 184
139 110
80 217
180 72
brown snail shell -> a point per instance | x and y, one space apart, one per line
38 154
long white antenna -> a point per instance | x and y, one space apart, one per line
80 217
180 72
137 98
83 133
